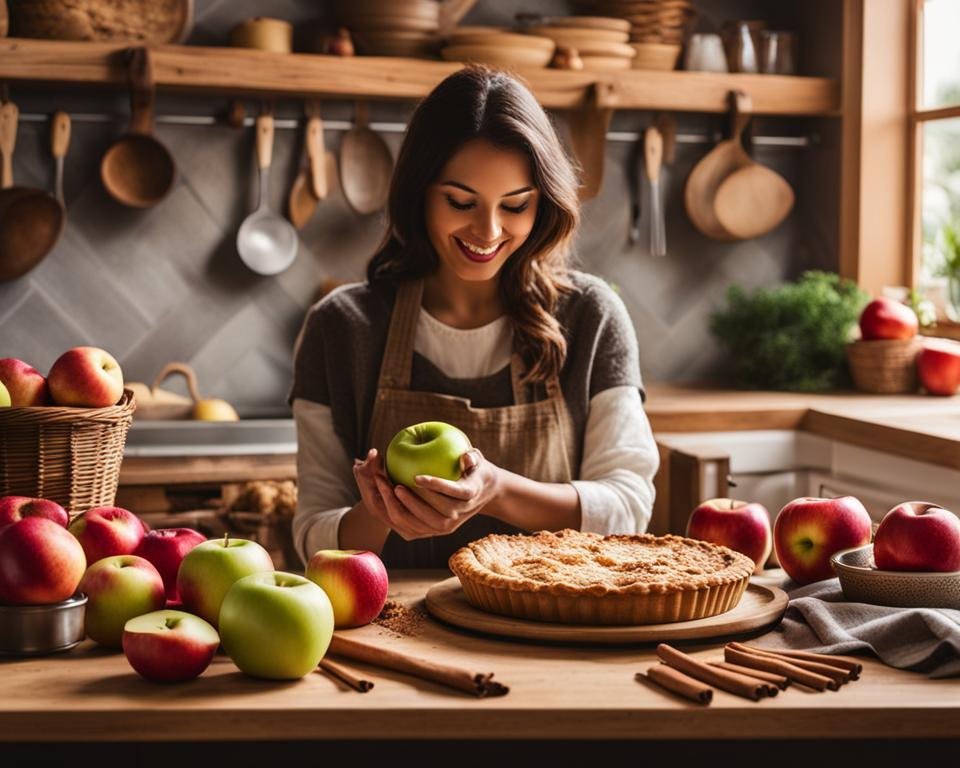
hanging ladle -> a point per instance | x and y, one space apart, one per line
266 242
137 170
31 220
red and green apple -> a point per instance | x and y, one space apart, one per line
169 646
14 508
355 581
26 385
740 525
808 531
918 536
166 548
118 589
107 531
85 377
40 562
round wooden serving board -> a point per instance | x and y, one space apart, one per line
759 607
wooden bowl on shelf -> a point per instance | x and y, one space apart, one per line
497 55
606 63
577 37
590 22
658 56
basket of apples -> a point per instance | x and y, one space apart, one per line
882 360
62 435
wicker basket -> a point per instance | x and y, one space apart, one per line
69 455
884 366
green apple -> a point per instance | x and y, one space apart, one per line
276 625
210 569
429 448
4 396
118 589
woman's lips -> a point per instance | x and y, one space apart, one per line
480 258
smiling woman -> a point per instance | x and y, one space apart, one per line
470 315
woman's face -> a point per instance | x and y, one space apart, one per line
481 209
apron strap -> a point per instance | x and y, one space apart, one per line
398 355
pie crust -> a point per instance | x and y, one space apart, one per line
574 577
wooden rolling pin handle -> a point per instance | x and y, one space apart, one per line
653 153
60 134
264 140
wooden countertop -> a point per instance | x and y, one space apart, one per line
91 695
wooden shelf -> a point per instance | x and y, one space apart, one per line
257 73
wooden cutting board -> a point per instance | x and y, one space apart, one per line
761 606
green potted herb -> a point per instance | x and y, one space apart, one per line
792 336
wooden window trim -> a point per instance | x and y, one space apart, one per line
916 118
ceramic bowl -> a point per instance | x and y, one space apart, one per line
35 630
862 582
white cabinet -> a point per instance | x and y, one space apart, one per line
775 466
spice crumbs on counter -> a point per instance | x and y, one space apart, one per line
398 618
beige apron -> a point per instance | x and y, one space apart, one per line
534 439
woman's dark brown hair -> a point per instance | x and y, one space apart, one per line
479 103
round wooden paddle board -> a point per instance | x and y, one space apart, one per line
759 607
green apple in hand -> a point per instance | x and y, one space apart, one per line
429 448
210 569
276 625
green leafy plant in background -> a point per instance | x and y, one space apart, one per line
948 246
791 337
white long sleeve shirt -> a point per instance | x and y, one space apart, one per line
618 463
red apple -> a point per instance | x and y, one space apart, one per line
14 508
107 531
166 548
26 385
918 536
938 366
808 531
885 318
85 377
169 646
118 589
355 581
40 562
741 526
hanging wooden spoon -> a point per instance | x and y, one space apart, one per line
707 176
365 166
310 186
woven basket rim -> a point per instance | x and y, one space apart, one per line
879 343
41 413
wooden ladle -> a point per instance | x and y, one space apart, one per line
137 170
365 165
31 220
707 176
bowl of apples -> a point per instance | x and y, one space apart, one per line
913 562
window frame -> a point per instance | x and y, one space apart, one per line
917 118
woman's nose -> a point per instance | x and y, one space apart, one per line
487 225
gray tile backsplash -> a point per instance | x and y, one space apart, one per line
166 283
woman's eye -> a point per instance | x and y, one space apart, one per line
517 208
459 206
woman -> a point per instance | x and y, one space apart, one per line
470 315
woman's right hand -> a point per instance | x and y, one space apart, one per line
380 500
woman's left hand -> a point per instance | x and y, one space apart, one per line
454 501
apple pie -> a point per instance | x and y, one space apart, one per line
573 577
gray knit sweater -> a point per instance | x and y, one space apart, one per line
340 346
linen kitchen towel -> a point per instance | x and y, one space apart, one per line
819 619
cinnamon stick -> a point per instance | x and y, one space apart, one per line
842 676
741 685
853 666
769 664
342 673
781 681
479 684
684 685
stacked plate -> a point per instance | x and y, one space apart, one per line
497 47
392 27
658 28
601 42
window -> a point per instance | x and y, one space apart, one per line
935 133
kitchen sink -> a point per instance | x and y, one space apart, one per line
210 438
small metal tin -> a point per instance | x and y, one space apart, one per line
35 630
